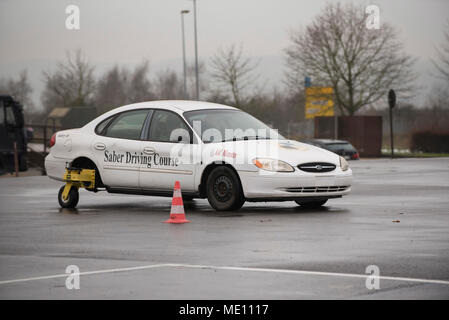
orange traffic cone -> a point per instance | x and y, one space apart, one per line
177 214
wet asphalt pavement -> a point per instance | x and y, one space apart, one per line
225 255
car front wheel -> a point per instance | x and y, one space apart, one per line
224 192
72 199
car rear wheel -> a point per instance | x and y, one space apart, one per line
224 191
311 204
72 199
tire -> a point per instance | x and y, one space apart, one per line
72 200
223 189
311 204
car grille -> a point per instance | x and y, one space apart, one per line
317 189
317 167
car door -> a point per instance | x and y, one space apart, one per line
117 148
170 151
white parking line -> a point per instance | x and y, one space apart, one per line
86 273
194 266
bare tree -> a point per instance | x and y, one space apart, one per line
20 89
168 85
442 64
140 87
437 111
231 69
338 50
120 86
111 90
72 84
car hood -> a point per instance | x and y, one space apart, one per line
290 151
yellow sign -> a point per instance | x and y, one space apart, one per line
319 102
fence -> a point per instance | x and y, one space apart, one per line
364 132
41 136
38 144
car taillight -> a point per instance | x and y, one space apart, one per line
52 140
355 155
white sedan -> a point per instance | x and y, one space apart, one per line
216 152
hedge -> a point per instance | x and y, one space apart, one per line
430 142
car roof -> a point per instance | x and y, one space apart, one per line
330 141
176 105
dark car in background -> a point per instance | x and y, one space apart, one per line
12 130
340 147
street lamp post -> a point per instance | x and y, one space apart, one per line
391 103
196 54
184 52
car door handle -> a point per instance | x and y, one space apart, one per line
148 150
99 146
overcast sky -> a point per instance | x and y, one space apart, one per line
34 36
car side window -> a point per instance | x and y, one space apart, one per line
100 127
127 125
168 127
10 118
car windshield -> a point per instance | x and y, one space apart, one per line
340 147
220 125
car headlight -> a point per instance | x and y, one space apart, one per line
344 164
273 165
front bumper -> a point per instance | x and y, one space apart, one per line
259 186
